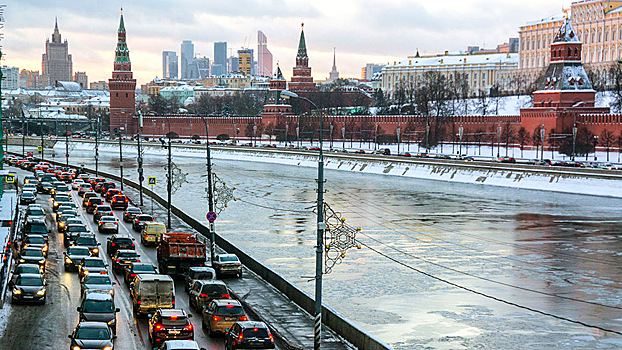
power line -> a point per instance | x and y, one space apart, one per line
487 295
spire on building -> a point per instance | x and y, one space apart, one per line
122 53
334 58
334 74
279 74
302 45
566 33
122 24
56 38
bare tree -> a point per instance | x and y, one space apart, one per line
607 139
509 136
483 103
522 137
619 145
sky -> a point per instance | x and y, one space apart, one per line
362 31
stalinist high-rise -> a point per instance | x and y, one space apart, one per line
56 64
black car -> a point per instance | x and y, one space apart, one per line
28 287
116 242
92 335
249 334
102 210
130 213
204 291
27 197
139 221
98 306
92 204
36 241
71 233
97 281
74 256
167 324
88 240
135 268
91 265
32 256
124 257
60 200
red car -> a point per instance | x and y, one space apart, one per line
119 201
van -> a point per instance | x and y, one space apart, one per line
152 233
152 292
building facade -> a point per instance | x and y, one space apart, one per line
367 72
29 79
302 79
170 65
264 56
56 63
122 87
10 78
334 73
482 71
82 79
245 61
187 55
99 85
220 58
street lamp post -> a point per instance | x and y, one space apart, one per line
595 142
42 146
97 146
140 159
66 144
169 185
23 137
210 190
574 140
321 227
121 154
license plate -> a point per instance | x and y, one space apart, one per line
174 332
27 297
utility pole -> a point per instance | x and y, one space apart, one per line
97 147
121 155
66 145
169 185
42 148
574 140
140 159
210 190
23 137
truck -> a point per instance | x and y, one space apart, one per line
178 251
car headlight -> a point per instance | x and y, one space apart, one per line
112 292
22 260
41 292
61 224
95 250
86 272
17 291
76 348
108 348
111 322
42 261
68 261
45 248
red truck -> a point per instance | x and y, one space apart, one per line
178 251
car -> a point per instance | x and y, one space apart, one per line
86 196
66 177
123 257
29 178
97 281
34 212
32 255
30 187
66 211
96 181
111 193
74 256
134 268
204 291
27 197
130 213
139 221
101 210
150 292
26 268
92 204
36 241
198 273
98 306
28 287
87 239
105 187
60 199
168 324
61 222
108 224
227 264
90 265
119 201
180 345
71 233
249 334
119 241
84 188
220 314
92 335
61 189
75 184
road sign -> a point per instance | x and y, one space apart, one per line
39 148
211 216
152 181
66 155
10 179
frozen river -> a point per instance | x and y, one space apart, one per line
555 253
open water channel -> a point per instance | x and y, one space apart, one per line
554 253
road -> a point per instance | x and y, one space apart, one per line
47 326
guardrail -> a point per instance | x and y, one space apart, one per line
338 323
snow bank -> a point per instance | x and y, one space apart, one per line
555 180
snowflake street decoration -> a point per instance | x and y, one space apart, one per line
178 177
222 194
338 238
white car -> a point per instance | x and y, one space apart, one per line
76 184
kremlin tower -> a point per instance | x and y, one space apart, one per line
122 88
302 79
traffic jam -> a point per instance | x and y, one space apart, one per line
121 255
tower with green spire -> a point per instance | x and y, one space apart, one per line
302 79
122 87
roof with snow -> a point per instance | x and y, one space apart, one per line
551 19
566 33
457 59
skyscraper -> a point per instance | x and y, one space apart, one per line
245 59
170 67
56 61
264 56
220 54
334 73
122 87
187 55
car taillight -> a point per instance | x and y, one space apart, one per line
138 302
204 295
126 200
188 327
226 296
133 275
138 260
112 244
158 327
118 260
243 318
132 244
270 335
173 301
241 336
